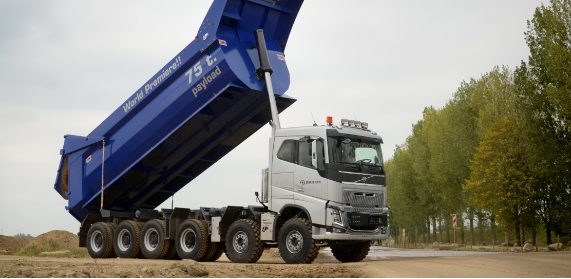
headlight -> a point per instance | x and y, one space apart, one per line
337 217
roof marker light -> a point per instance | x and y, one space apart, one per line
351 123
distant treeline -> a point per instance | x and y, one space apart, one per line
499 152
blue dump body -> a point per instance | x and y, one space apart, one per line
196 109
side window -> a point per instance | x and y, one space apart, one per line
286 151
304 154
320 152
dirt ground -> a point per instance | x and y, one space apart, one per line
540 264
382 262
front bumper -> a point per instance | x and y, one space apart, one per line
347 236
354 223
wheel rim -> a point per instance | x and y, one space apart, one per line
96 241
240 242
188 240
124 240
151 239
294 242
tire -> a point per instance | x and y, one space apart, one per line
172 254
295 243
99 241
351 252
214 252
127 239
154 244
192 239
112 226
243 243
219 252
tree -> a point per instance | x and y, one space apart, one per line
500 174
403 198
501 147
544 92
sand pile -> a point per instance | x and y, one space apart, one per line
10 245
53 244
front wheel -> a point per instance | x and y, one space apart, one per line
351 252
192 239
295 243
243 242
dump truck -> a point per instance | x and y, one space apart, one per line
324 184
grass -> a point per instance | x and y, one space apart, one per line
487 233
34 249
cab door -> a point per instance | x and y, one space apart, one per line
282 168
309 158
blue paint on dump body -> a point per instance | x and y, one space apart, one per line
196 109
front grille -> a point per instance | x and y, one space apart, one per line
356 198
370 210
364 221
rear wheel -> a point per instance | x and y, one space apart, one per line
295 243
192 239
154 244
172 254
351 252
112 226
215 250
243 243
99 240
127 239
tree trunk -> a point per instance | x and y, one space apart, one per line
440 229
548 232
534 237
517 231
493 227
434 229
461 219
415 236
447 230
472 229
481 232
428 238
481 222
421 234
521 237
507 239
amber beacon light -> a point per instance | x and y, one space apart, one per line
329 120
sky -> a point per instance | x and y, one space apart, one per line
66 65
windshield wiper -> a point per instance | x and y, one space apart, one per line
350 165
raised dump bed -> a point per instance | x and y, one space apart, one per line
192 112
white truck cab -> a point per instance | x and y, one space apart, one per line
335 175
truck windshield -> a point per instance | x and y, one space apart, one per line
355 151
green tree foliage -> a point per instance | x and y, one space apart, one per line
500 147
501 177
544 91
406 197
